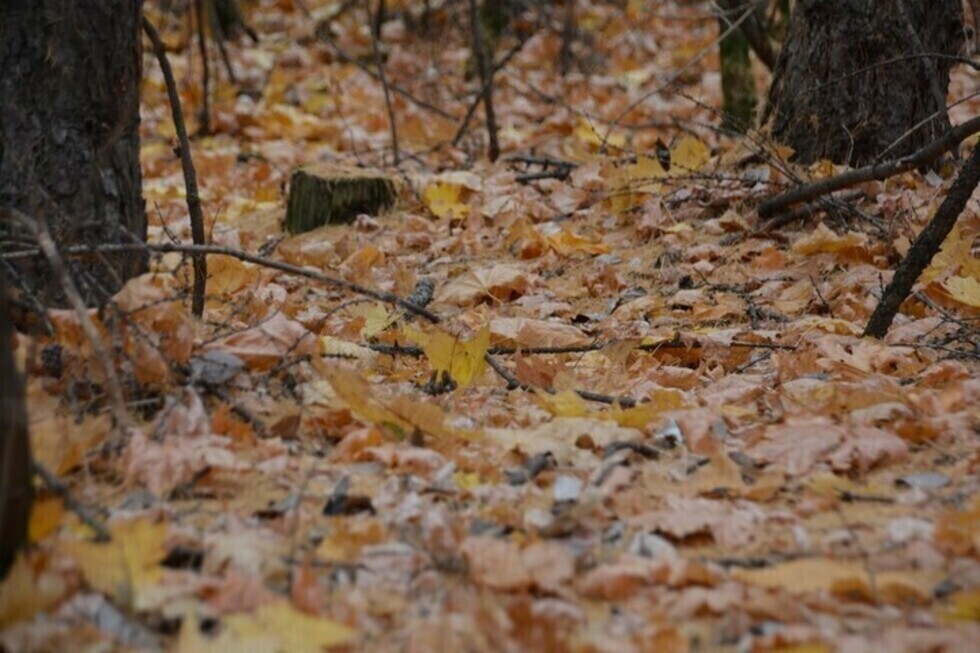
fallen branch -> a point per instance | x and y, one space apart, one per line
187 164
873 172
925 247
203 250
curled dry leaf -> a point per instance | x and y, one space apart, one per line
501 283
265 345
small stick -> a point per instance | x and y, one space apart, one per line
187 164
486 79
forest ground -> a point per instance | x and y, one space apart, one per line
297 474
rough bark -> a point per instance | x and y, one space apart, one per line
15 462
69 134
858 79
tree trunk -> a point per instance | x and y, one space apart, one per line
69 136
15 462
860 79
737 80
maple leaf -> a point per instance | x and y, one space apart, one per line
273 628
128 566
464 360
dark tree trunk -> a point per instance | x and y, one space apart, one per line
858 79
69 135
15 462
739 98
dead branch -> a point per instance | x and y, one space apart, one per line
874 172
925 247
204 250
187 164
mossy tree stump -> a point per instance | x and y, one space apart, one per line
330 194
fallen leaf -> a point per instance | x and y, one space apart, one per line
128 566
463 359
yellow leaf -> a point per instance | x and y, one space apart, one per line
466 480
128 565
955 255
227 275
964 606
844 579
46 516
688 154
401 412
563 404
965 290
660 401
274 628
566 243
448 196
355 391
594 137
823 240
464 360
629 185
376 316
29 588
58 442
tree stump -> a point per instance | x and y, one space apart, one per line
329 194
857 80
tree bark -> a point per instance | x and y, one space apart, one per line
739 98
858 79
15 461
69 135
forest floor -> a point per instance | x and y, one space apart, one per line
701 452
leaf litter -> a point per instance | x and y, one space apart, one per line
316 472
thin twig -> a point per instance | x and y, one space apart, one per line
203 250
187 164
